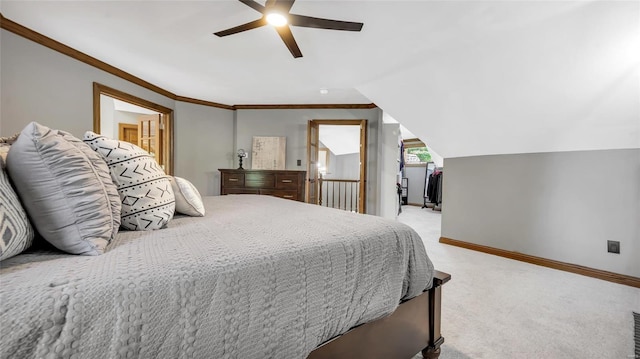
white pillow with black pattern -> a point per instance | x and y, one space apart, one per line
148 201
16 233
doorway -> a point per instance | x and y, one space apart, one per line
128 132
337 166
152 122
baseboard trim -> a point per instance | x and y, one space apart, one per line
550 263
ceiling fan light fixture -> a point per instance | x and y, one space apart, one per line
276 19
277 14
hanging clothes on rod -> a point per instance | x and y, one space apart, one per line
434 189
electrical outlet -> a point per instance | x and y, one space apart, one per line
613 247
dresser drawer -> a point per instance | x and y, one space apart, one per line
286 181
259 180
278 183
281 193
230 180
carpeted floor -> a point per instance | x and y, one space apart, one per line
499 308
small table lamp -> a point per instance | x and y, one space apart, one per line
241 154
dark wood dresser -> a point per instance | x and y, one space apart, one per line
280 183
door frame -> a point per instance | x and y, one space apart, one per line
122 127
165 112
362 204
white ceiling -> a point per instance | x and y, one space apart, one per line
467 77
129 107
341 140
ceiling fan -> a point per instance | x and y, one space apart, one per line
276 13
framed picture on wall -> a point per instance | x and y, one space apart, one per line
268 153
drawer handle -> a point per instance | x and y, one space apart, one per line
287 181
287 196
233 180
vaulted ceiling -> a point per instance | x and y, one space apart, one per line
467 77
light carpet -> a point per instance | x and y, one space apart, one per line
495 307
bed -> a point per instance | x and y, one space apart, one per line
258 276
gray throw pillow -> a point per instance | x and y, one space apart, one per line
65 188
16 233
147 198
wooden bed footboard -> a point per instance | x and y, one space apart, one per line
413 327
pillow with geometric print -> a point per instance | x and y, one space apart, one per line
16 233
148 201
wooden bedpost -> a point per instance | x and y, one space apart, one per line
412 327
432 351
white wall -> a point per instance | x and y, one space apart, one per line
519 77
389 169
561 206
121 117
110 117
203 137
107 117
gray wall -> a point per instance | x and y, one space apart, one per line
415 175
203 138
562 206
293 125
39 84
346 166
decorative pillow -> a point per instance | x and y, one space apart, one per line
15 230
5 145
148 201
188 200
65 188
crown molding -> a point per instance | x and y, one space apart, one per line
204 103
305 106
45 41
52 44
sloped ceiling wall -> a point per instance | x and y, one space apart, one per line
520 77
341 140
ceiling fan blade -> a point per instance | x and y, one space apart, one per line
282 5
240 28
254 5
287 37
318 23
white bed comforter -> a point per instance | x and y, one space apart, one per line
258 277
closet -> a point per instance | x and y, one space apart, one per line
433 187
